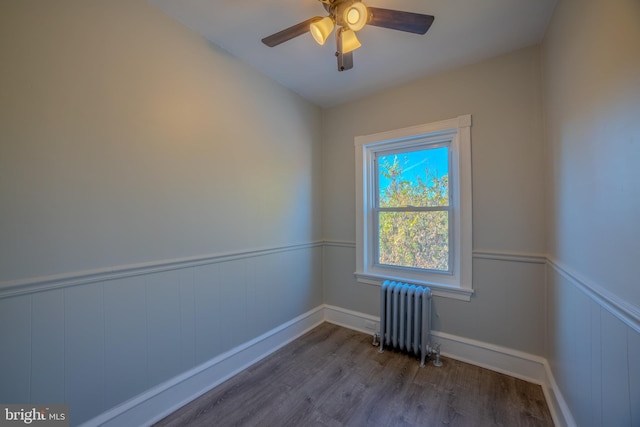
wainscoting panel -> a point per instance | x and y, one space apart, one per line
16 348
125 340
164 323
187 319
47 351
616 400
207 298
633 341
593 354
84 351
97 340
231 308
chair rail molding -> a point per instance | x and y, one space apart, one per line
44 283
626 312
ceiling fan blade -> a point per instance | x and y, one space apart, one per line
289 33
410 22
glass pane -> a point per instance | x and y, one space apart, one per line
414 178
414 239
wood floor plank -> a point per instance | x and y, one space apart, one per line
334 377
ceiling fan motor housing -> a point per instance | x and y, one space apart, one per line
351 14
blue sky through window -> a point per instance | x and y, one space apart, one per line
415 164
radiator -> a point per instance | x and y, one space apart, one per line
405 318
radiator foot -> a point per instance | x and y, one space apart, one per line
376 336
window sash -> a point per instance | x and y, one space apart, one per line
421 146
375 208
376 238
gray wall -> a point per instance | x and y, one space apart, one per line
503 95
128 144
592 104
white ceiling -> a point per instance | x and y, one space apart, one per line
464 32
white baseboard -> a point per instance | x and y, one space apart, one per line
360 322
160 401
518 364
562 416
507 361
163 399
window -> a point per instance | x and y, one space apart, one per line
413 195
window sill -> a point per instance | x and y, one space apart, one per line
439 290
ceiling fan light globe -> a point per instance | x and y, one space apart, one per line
321 30
349 41
356 16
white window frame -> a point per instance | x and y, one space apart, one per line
457 133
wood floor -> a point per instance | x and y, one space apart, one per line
333 376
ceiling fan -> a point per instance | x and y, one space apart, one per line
350 16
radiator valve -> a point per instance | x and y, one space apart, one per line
437 362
